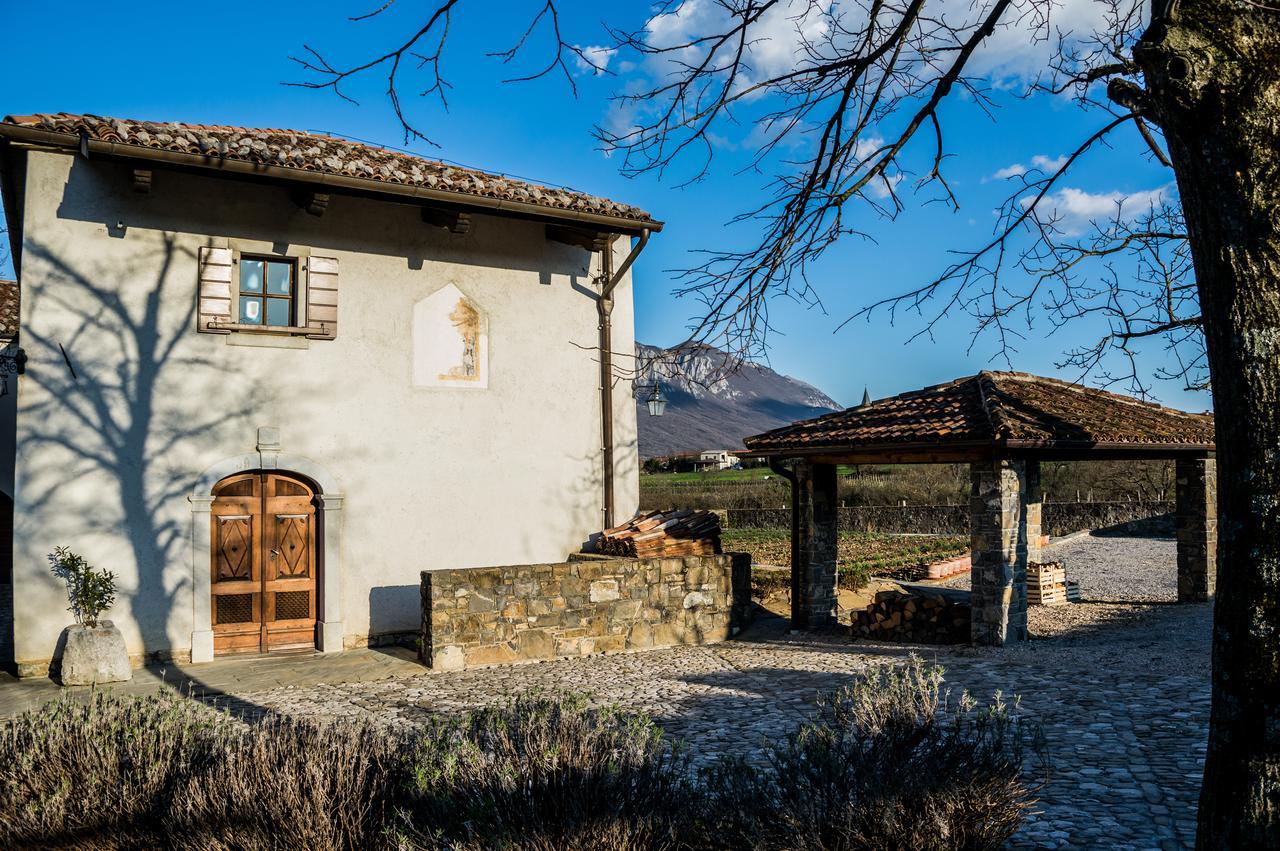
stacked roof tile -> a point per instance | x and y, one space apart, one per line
321 153
996 408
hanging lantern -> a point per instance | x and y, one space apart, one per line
657 402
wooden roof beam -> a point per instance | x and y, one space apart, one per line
590 239
314 203
454 221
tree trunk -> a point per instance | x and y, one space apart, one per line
1212 71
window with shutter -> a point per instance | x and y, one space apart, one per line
262 294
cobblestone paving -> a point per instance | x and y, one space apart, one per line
1124 705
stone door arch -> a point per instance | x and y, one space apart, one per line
329 627
264 564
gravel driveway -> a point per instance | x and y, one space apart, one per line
1120 687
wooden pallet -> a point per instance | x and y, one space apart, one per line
1073 591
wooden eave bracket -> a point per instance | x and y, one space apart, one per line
314 203
142 180
592 240
454 221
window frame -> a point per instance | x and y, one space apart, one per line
264 295
251 249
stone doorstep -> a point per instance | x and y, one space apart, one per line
45 668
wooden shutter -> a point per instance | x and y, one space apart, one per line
322 297
215 289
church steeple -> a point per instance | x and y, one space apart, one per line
866 397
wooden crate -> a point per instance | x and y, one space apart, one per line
1046 574
1073 591
1053 596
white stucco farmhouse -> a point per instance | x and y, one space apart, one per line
272 375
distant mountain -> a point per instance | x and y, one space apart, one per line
713 406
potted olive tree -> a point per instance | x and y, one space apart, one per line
94 650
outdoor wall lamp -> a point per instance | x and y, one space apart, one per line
657 402
12 362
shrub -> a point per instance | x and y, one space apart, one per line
884 765
548 772
123 772
90 592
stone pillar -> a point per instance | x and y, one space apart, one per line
1033 499
998 528
813 598
201 579
1197 512
330 629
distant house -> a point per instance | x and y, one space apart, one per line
717 459
274 375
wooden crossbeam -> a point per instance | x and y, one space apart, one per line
592 240
315 203
453 221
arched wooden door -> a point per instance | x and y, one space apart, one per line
264 564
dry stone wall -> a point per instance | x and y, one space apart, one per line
589 604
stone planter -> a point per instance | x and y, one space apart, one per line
95 655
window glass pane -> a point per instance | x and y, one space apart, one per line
251 311
251 276
278 275
277 311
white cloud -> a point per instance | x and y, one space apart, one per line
1025 41
1039 162
1018 50
781 39
597 59
1075 210
883 187
1047 165
777 38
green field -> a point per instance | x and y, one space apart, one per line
748 475
859 554
709 476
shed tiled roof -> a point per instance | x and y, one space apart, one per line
997 408
321 153
9 301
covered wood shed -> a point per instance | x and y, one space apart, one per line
1002 424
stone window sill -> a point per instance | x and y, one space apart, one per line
315 332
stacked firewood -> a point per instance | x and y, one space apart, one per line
925 615
663 533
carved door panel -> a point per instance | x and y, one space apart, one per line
264 566
289 565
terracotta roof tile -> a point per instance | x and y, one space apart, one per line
996 408
325 154
9 316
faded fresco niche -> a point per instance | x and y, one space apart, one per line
450 341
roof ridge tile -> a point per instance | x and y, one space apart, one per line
321 152
997 408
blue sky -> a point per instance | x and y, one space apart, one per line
166 61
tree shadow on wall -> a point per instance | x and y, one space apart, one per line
117 418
